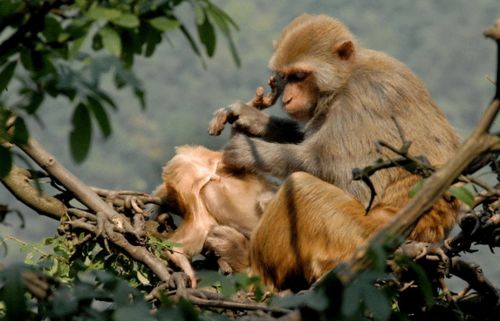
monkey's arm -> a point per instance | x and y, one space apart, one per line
282 130
279 160
253 122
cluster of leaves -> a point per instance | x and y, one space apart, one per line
62 259
64 48
82 286
96 295
85 291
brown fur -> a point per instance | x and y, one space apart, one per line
349 97
197 186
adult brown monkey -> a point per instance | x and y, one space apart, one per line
349 97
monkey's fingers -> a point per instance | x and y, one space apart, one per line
182 262
217 123
261 101
276 85
258 100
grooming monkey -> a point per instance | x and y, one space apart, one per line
341 99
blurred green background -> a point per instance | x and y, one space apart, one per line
440 40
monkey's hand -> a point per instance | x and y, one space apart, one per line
239 153
253 154
244 118
230 247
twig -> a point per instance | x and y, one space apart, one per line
213 300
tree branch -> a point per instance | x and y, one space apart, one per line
18 183
90 199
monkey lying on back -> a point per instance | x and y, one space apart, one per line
348 98
212 200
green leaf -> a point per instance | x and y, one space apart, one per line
8 8
6 75
13 293
138 311
64 303
226 284
26 58
100 115
75 46
142 278
122 293
102 95
377 303
21 134
316 300
126 20
34 102
223 21
206 32
164 24
219 20
111 40
423 282
222 17
191 41
97 13
139 94
152 39
199 14
5 161
81 133
234 51
52 29
97 42
351 299
463 194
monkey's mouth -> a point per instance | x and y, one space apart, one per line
300 114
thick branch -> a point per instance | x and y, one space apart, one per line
18 183
494 34
473 275
81 191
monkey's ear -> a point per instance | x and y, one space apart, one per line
344 49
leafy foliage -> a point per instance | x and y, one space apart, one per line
56 48
96 295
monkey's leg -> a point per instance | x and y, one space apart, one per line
230 247
307 229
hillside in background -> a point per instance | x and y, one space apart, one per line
441 41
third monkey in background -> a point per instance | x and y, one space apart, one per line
347 98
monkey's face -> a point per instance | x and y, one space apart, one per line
300 93
313 55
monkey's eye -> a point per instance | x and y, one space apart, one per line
297 76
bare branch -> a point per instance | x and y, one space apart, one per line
18 183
